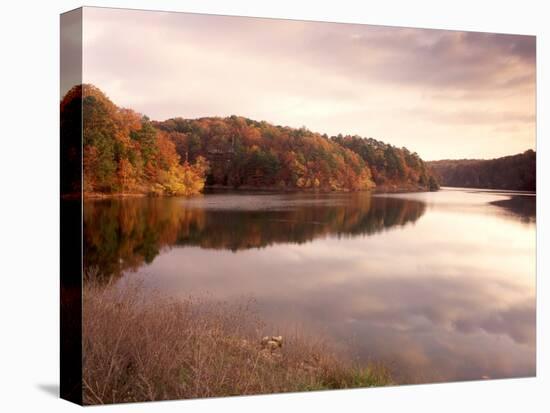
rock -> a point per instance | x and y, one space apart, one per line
272 343
278 340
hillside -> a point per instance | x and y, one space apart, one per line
246 153
126 153
516 172
391 167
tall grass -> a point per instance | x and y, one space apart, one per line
139 347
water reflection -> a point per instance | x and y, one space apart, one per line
520 206
125 234
439 285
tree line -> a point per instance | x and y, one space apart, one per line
515 172
125 152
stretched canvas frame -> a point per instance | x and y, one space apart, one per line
515 322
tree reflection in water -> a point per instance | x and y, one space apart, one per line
123 234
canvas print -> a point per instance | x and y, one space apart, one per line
256 206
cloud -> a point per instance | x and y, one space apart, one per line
433 58
516 321
469 117
407 86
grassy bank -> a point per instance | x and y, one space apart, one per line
139 348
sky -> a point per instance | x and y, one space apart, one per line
444 94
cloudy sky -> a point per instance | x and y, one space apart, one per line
444 94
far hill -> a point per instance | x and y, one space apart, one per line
515 172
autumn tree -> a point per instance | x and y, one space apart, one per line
123 151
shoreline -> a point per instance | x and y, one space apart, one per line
481 189
385 189
210 349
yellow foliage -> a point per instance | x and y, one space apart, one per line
184 180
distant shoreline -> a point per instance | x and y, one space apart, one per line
512 173
477 188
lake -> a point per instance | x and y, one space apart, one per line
439 285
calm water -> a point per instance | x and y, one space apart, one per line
441 286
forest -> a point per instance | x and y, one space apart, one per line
391 166
244 153
515 172
125 152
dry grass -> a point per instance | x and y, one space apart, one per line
139 348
